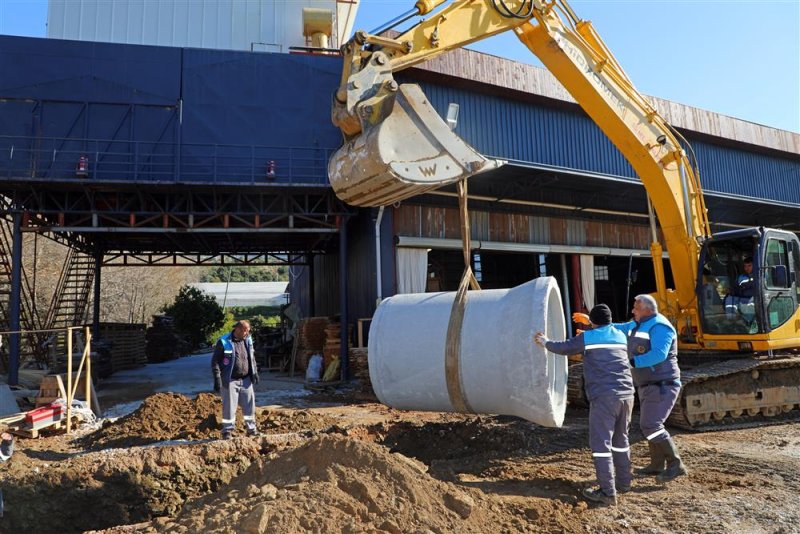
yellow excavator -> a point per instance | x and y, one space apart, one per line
738 352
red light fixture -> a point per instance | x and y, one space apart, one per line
82 167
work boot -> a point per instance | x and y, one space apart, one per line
675 467
254 433
656 460
226 434
623 488
597 495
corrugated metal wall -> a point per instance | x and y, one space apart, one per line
561 137
260 25
326 284
279 100
748 173
443 223
361 267
226 113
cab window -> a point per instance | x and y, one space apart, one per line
777 274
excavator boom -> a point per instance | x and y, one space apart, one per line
396 145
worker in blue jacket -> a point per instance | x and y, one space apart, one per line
653 353
235 372
609 388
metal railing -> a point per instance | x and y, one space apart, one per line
108 160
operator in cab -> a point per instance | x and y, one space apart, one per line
740 297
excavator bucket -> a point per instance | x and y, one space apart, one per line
409 152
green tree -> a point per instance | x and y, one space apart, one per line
240 273
196 314
227 326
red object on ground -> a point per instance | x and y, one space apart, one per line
45 414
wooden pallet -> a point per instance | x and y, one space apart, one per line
33 433
51 388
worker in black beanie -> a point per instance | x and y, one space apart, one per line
609 388
600 315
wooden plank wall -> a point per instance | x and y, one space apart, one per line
443 223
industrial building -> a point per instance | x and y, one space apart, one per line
156 156
135 154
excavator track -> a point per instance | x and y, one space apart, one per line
727 395
576 395
738 393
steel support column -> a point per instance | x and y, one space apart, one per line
577 284
311 294
344 338
565 295
98 263
14 305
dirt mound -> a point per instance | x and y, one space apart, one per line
107 488
161 417
279 421
336 484
169 416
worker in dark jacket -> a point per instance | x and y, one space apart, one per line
653 352
609 388
6 450
740 297
235 373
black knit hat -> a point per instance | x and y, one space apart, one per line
600 315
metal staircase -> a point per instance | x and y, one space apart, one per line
31 343
71 296
67 307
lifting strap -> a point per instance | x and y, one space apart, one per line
452 350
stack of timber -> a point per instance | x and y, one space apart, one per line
359 368
310 339
333 343
53 388
163 342
126 343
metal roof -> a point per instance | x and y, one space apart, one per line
566 138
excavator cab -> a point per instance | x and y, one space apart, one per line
748 282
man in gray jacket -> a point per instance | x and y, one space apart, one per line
609 388
235 372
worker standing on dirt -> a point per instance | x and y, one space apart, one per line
609 388
653 352
235 373
6 450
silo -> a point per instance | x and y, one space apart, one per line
257 25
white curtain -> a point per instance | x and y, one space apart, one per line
587 281
412 269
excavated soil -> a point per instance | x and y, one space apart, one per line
368 468
169 417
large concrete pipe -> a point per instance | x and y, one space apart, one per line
500 369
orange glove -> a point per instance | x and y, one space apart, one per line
580 318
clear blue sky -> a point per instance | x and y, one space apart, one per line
738 58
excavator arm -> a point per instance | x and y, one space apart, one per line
396 145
